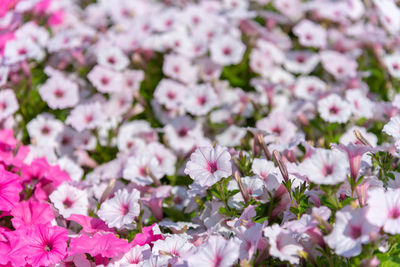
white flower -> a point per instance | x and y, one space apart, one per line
325 167
175 246
216 251
44 129
282 244
227 50
350 231
334 109
112 57
8 103
122 209
201 100
208 165
392 128
59 92
70 200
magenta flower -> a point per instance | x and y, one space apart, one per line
100 244
10 187
147 236
31 213
46 245
208 165
89 224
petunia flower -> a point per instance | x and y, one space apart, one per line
334 109
122 209
354 153
70 200
350 231
384 209
10 187
8 103
216 251
282 244
208 165
325 167
46 245
31 213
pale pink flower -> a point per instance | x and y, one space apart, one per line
140 169
173 248
392 63
8 103
86 116
44 130
70 200
59 92
112 57
201 99
308 87
46 245
339 65
282 244
281 128
208 165
384 209
349 136
180 68
134 257
310 34
106 80
361 106
122 209
350 232
216 251
227 50
325 167
334 109
171 94
267 171
301 61
354 153
231 136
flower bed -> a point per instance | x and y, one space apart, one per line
199 133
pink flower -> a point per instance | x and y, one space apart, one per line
46 245
31 213
208 165
89 224
148 235
10 187
102 244
59 92
56 18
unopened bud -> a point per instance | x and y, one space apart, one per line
281 165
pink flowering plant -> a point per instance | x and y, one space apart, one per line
209 133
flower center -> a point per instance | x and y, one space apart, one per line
212 167
48 247
67 203
355 231
394 213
